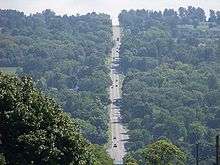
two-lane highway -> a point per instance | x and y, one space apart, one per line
119 132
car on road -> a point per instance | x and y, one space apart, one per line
117 102
114 137
115 145
115 118
111 86
116 85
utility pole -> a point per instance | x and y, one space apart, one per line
217 150
197 154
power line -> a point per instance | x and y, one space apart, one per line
197 154
217 150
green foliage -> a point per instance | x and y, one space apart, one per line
2 159
163 152
129 160
34 129
102 157
66 56
171 88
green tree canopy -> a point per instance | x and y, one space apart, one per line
163 152
34 129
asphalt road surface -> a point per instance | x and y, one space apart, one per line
119 132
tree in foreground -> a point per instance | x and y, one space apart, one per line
33 128
2 159
101 156
129 160
164 152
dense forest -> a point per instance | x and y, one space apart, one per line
171 63
67 57
35 130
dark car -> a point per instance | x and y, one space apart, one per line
116 85
114 137
115 145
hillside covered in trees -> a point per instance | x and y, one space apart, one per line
170 94
171 62
67 57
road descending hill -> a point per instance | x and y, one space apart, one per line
119 136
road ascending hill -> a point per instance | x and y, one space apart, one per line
119 135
